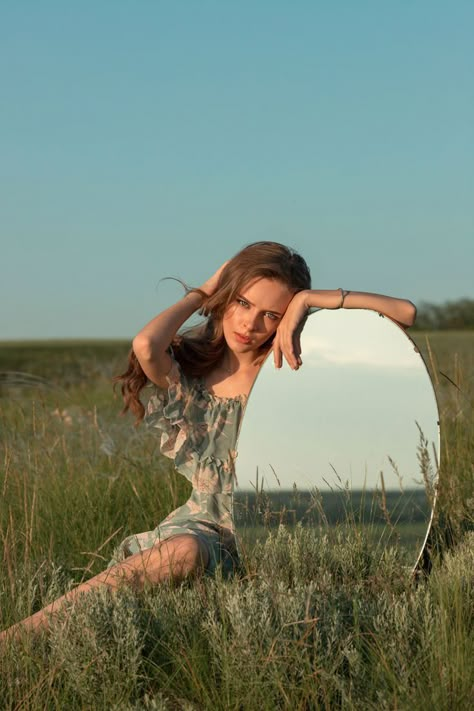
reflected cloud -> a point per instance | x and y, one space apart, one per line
326 353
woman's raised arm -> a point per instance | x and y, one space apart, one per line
151 344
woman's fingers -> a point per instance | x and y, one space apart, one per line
298 346
297 340
291 345
210 286
284 345
289 331
277 351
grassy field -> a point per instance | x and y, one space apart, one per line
321 619
402 522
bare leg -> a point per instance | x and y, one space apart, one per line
174 559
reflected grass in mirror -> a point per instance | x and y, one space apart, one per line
350 441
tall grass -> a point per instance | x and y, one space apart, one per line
317 620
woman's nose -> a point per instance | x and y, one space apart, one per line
251 321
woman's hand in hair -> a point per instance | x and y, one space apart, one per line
287 341
210 286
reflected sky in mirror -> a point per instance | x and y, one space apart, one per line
354 409
351 438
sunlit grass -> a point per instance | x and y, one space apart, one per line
319 620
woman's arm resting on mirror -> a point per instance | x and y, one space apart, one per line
287 338
400 310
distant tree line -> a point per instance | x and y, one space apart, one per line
450 315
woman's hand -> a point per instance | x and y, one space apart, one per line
287 341
210 286
151 344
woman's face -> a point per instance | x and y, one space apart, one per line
255 314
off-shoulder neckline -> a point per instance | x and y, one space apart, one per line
220 398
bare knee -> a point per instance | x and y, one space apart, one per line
183 555
173 559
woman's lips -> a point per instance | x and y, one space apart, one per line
241 338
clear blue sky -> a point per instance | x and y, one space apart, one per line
146 139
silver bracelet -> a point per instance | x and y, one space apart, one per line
343 296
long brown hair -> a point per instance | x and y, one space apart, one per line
200 348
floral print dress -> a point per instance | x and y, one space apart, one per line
199 432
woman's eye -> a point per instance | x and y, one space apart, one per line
242 302
271 316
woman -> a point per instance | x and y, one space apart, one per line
255 302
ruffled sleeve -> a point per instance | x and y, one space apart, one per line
198 430
166 410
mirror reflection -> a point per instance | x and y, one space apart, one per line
351 438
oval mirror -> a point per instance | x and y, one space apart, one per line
351 438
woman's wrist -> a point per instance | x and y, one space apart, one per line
208 288
324 299
344 293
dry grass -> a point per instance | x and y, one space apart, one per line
318 622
